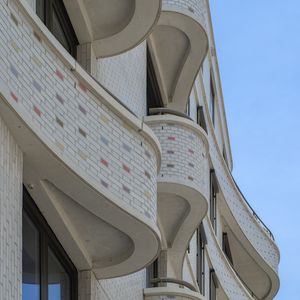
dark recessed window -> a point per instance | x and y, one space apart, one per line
152 273
201 118
212 285
54 15
154 99
47 271
226 247
188 107
201 242
213 200
212 101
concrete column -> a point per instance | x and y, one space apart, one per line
11 165
87 58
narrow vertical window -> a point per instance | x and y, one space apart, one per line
212 285
226 247
213 200
188 107
201 241
201 118
212 100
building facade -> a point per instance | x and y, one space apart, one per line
115 160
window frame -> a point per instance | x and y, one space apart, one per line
57 5
213 200
212 100
213 284
48 239
201 242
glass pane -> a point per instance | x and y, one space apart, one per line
40 9
58 31
31 259
58 279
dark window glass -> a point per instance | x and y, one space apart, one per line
226 247
201 118
31 260
201 260
58 279
213 201
58 31
53 13
188 107
212 286
212 101
154 99
48 273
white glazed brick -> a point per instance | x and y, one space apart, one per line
195 8
84 131
11 169
184 156
226 277
125 76
173 297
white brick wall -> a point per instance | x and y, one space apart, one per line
11 169
125 76
72 119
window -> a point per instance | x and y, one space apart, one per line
226 247
47 271
152 273
225 154
213 200
201 118
54 15
201 242
212 100
188 107
212 285
154 99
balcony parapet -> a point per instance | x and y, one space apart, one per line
183 183
90 165
175 293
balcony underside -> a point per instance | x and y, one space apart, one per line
177 46
112 26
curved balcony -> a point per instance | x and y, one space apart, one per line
228 280
89 164
256 241
178 45
183 184
112 26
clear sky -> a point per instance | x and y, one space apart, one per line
258 46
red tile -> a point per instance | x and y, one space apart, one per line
126 168
82 87
171 138
37 111
14 96
59 74
104 162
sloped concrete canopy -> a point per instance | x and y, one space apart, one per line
178 46
112 26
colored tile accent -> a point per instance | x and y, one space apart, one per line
37 86
82 109
60 145
104 119
126 147
14 19
37 110
148 195
59 122
105 184
82 87
147 153
14 45
170 152
171 138
14 96
104 140
14 71
170 165
191 165
126 189
59 74
126 168
147 175
104 162
82 155
60 99
37 36
191 151
82 132
191 178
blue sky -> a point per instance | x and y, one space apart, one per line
258 46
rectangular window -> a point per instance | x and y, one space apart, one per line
201 242
212 285
54 15
226 247
188 107
47 271
213 200
212 100
201 118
